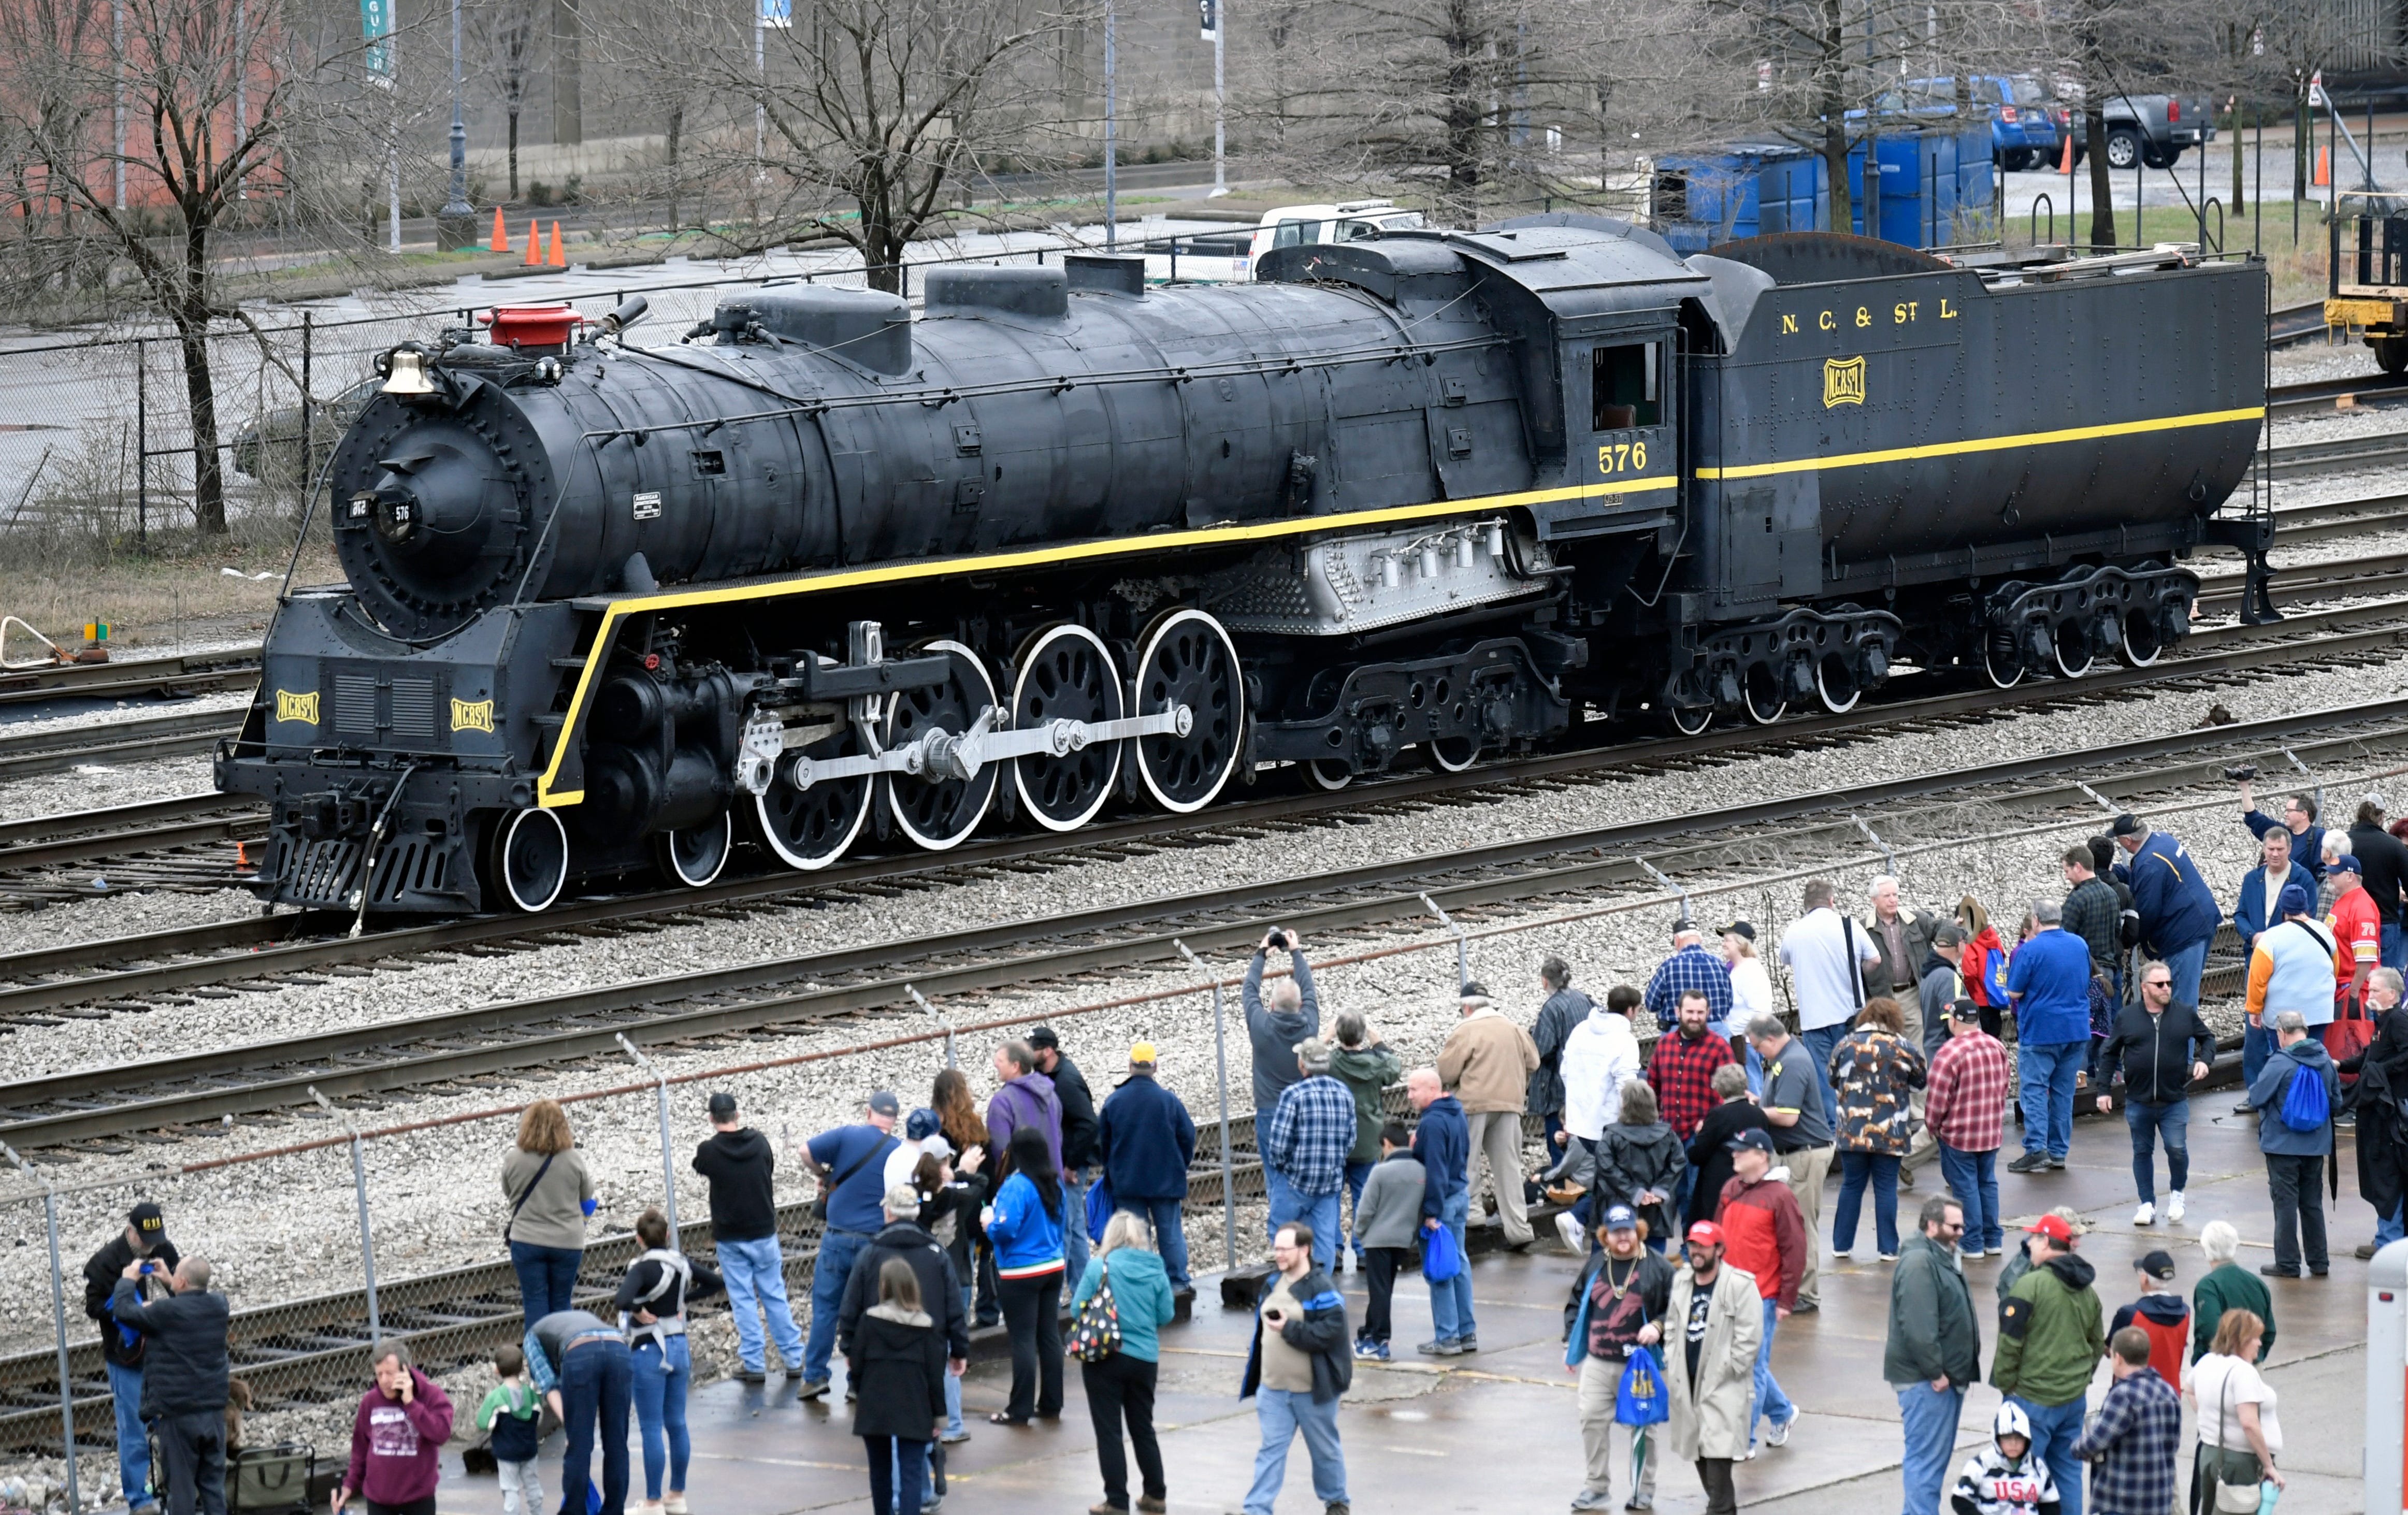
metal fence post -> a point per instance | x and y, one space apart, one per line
1889 859
1220 1060
1462 946
668 1164
1661 878
309 427
368 1236
142 446
59 1319
942 1020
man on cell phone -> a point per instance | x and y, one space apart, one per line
144 1240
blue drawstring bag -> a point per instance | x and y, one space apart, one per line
1641 1399
1099 1207
1442 1259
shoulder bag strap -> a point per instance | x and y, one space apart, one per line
527 1193
863 1161
1856 969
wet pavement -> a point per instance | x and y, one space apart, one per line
1498 1432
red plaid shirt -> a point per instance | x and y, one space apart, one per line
1681 1072
1966 1098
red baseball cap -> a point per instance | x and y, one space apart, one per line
1706 1234
2054 1228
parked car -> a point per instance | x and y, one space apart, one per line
2149 129
2023 130
273 441
1347 221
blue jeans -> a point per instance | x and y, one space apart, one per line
2394 949
547 1276
2055 1429
837 1249
1451 1301
661 1380
1928 1416
1822 1041
1856 1169
755 1272
1768 1398
2388 1228
1358 1174
1754 1071
1974 1178
1075 1241
2186 964
133 1437
1170 1236
2172 1120
2046 1073
898 1474
952 1404
1320 1211
596 1381
2257 1046
1281 1413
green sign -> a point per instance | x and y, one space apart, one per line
376 30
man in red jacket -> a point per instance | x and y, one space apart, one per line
397 1440
1765 1235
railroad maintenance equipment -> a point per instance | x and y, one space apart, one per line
1069 541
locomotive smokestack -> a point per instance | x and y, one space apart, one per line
630 311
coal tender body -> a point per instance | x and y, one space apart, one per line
820 571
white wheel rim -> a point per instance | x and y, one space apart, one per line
1021 767
1990 668
1823 692
2131 654
2056 652
1762 718
1325 782
1437 750
725 824
1689 722
806 861
1163 630
985 691
540 819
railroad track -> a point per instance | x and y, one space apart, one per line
2323 396
94 980
176 676
99 1110
56 748
2292 324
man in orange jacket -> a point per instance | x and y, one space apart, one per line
1765 1235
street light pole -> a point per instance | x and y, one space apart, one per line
1111 184
1220 101
456 225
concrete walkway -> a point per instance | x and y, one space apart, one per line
1496 1432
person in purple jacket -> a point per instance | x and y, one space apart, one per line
397 1440
1026 1098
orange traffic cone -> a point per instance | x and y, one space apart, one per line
2324 168
501 242
535 246
241 859
556 260
2067 166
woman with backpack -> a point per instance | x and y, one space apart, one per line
551 1196
1984 963
651 1303
1024 1225
1116 1316
898 1370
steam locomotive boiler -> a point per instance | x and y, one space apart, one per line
1069 541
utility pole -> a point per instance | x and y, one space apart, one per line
241 97
1112 187
117 143
1216 20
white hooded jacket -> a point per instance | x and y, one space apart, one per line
1599 1057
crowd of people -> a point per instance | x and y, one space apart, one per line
1691 1174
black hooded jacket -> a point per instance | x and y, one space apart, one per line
740 1166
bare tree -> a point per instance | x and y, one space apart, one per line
507 34
872 116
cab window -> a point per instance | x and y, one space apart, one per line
1296 234
1623 387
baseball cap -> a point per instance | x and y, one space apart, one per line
148 1224
2054 1228
1706 1234
722 1106
2126 825
935 1145
1756 1139
1142 1051
1473 988
1965 1010
1620 1218
2293 901
1683 925
922 1124
2159 1265
2346 862
1740 929
885 1102
1043 1036
902 1200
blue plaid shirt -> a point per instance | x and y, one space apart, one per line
1691 967
2134 1440
1311 1136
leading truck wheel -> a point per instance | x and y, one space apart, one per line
937 810
530 860
810 828
1188 660
693 855
1066 674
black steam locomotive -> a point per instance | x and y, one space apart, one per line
1067 540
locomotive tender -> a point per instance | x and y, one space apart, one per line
822 568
